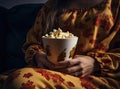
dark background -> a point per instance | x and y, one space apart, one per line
15 22
11 3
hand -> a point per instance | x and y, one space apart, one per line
79 66
42 61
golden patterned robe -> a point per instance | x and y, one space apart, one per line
98 29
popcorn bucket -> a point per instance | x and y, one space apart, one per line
59 49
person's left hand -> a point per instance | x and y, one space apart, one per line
79 66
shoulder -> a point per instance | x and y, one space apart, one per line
48 5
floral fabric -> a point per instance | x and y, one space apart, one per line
36 78
98 29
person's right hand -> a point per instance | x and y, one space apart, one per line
42 61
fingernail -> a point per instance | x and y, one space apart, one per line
83 76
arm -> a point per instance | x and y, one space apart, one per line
107 54
33 44
105 58
109 61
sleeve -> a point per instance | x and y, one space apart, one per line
33 44
107 53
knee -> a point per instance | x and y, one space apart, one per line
21 79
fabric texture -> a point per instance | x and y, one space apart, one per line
98 30
36 78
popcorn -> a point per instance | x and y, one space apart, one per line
58 33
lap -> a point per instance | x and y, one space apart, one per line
36 78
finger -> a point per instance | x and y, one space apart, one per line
47 64
86 71
85 74
73 62
63 63
79 73
76 56
69 63
71 70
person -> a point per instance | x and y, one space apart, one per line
96 64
